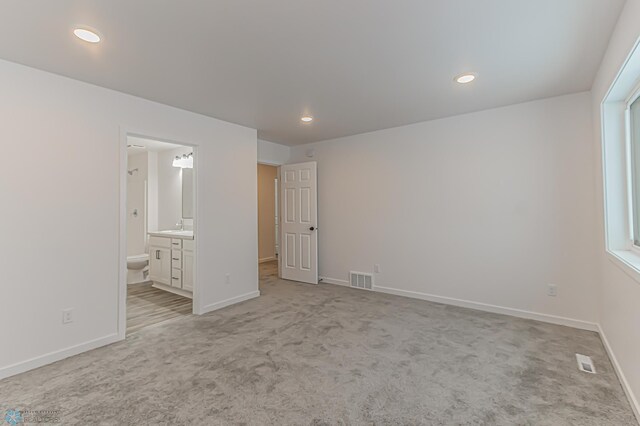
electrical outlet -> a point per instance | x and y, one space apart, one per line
67 316
376 268
552 290
227 278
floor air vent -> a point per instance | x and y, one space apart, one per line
585 364
361 280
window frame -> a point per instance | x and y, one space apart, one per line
634 96
615 166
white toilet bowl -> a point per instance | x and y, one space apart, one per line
137 268
139 261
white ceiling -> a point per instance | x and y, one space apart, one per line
355 65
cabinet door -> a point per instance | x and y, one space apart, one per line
160 265
187 270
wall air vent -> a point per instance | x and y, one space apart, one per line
585 364
361 280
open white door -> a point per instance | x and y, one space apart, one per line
299 242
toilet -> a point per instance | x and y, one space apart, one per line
137 268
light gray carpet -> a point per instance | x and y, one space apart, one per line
303 354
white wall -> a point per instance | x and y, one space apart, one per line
272 153
170 188
152 191
65 248
488 207
136 187
620 294
266 212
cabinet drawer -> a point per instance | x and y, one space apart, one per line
176 243
176 278
176 254
189 245
176 259
160 242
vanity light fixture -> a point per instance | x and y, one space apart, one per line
184 162
87 35
188 162
465 78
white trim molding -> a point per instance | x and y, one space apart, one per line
125 133
168 288
633 401
30 364
51 357
327 280
228 302
616 166
627 261
519 313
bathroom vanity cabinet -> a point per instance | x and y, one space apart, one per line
171 262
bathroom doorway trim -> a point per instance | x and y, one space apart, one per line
122 256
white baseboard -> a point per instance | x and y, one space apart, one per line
267 259
178 291
553 319
140 283
328 280
30 364
39 361
583 325
232 301
621 377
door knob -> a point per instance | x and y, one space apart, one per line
312 228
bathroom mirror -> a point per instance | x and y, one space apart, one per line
187 193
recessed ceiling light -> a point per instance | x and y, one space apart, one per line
87 35
465 78
307 118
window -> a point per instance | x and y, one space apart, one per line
620 115
633 141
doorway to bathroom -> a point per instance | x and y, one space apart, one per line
160 240
268 223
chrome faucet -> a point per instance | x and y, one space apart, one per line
181 224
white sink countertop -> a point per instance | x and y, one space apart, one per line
173 233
